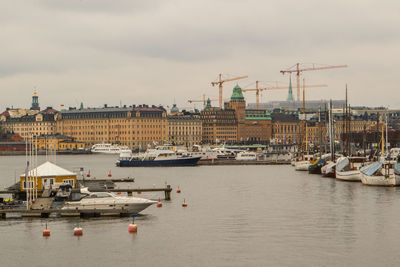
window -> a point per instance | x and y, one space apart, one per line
69 181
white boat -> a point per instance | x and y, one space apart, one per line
380 174
303 163
205 154
246 156
348 168
329 170
108 203
108 148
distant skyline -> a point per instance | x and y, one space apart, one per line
157 52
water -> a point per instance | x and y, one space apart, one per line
236 216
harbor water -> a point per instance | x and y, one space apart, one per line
236 216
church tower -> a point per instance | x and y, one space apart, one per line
35 101
290 94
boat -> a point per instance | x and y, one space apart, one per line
246 156
108 148
315 167
205 154
159 158
380 174
304 163
348 168
105 202
329 170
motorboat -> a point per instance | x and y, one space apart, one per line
104 202
108 148
348 168
246 156
157 158
205 154
380 174
329 170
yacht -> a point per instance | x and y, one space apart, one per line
105 202
108 148
205 154
304 162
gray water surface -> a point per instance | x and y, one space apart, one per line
237 216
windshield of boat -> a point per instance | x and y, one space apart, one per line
100 195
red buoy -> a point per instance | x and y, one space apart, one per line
78 231
184 204
159 204
109 174
88 174
46 232
119 193
132 228
139 192
178 190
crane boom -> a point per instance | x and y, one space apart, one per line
221 81
296 69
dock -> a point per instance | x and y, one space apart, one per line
244 162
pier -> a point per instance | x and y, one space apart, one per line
245 162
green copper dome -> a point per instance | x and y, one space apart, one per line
208 103
237 93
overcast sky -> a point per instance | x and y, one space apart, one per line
155 52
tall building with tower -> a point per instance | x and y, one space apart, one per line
35 101
290 93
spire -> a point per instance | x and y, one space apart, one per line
35 101
290 94
208 103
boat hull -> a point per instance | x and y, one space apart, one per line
374 180
159 163
302 166
350 176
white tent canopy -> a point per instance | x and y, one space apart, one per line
48 169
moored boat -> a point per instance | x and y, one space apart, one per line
108 149
160 159
380 174
348 168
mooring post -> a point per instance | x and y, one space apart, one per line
168 192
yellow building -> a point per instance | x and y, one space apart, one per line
135 126
57 142
46 176
185 130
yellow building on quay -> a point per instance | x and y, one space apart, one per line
135 126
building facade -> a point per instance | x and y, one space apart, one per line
185 130
135 126
286 127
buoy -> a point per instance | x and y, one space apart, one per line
159 204
119 193
78 231
109 174
88 174
178 190
138 192
132 228
184 204
46 232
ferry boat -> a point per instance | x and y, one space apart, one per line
165 158
108 148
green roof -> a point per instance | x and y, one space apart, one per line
237 93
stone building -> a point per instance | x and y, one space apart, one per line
136 126
185 130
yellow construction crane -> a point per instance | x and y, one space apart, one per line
204 100
221 81
258 89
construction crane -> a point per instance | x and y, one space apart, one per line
204 100
299 69
258 89
220 82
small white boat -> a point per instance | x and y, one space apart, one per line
205 154
329 170
246 156
348 168
380 174
108 149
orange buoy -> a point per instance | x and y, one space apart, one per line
46 232
184 204
119 193
78 231
178 190
159 204
132 228
109 174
